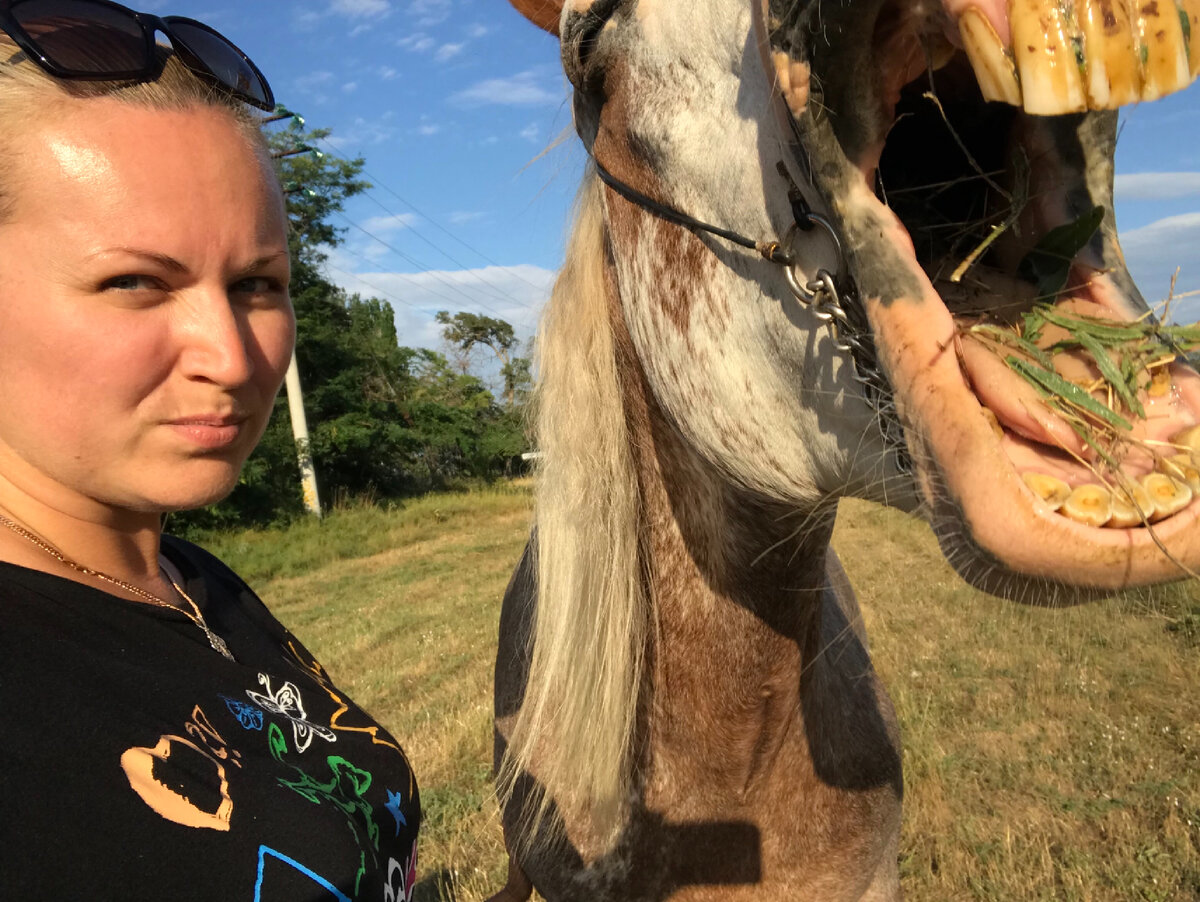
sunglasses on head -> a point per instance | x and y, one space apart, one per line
96 40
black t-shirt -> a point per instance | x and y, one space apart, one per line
138 763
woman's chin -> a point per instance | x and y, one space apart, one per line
190 491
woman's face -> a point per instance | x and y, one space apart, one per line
145 325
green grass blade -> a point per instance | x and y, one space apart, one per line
1098 329
1055 384
1012 339
1112 373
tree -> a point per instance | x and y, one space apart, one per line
385 421
466 330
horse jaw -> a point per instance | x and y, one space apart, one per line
994 529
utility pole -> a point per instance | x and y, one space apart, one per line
295 395
308 474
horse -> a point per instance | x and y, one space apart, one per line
762 310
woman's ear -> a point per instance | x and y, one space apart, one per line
542 13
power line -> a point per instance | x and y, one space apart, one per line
474 273
457 289
378 183
390 296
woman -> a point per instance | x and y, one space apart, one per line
163 736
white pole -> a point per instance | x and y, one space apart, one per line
308 475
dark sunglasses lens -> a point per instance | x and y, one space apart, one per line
222 59
83 37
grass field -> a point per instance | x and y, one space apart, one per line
1048 755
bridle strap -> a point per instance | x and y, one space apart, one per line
772 251
832 297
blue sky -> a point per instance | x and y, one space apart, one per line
458 106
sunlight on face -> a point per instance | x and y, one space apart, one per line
145 325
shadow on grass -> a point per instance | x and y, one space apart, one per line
437 887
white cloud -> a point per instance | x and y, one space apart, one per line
1153 253
359 9
448 51
307 20
387 73
1155 185
429 12
530 132
315 85
313 80
523 89
458 217
512 293
350 87
417 42
427 129
390 223
362 133
477 31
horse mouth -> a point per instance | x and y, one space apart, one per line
977 161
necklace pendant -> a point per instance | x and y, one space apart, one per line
218 643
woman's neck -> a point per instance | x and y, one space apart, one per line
66 536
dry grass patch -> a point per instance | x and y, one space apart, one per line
1049 754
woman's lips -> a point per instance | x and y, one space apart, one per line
209 432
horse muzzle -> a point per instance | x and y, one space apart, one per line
963 150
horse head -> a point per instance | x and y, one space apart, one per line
878 116
825 248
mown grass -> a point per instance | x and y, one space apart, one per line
1049 754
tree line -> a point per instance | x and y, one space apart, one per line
385 420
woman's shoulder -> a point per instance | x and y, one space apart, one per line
189 556
222 595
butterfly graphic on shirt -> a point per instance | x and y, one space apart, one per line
286 701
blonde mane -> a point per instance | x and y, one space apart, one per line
590 636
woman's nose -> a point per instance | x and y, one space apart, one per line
217 340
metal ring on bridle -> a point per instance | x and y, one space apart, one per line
808 290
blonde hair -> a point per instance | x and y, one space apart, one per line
575 729
28 94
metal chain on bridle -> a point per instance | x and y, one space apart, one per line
832 297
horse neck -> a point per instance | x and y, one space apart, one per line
730 572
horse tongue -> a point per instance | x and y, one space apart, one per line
1016 404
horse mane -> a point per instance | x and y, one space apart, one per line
575 727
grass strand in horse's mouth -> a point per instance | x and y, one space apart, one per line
999 223
956 174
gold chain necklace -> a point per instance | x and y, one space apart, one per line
194 615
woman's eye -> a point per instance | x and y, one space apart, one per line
130 282
265 287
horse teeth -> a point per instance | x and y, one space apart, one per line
1068 56
1048 56
1050 489
1131 506
792 79
1163 51
1183 467
1090 505
1188 439
1189 11
1168 495
1114 76
993 64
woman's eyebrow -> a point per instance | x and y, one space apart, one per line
169 262
260 262
164 260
